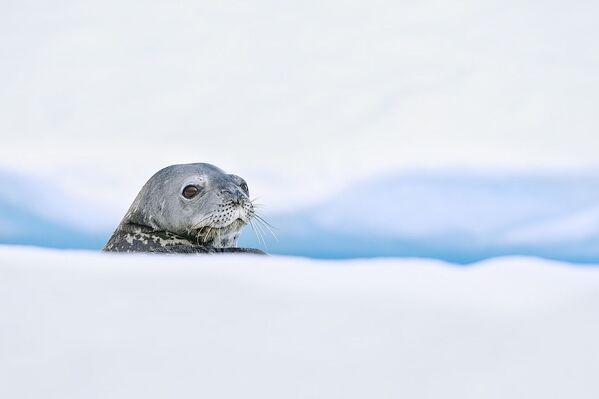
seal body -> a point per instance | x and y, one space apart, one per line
189 208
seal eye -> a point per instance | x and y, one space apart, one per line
190 191
244 187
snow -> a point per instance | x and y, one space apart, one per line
332 112
36 211
463 202
45 198
456 215
459 216
324 108
299 98
76 324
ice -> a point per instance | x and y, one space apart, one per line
458 215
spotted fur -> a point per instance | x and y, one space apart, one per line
162 220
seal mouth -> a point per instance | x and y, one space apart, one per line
221 227
218 235
238 220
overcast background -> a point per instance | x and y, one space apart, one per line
301 98
415 121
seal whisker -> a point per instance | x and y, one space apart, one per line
263 223
198 225
254 230
267 225
256 227
208 236
218 236
260 229
259 217
258 234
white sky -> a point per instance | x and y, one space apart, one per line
300 98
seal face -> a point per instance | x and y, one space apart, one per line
189 208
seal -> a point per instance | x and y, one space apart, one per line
187 208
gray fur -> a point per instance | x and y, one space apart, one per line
162 220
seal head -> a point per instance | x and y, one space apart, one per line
186 208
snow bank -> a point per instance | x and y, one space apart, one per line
37 211
459 216
88 325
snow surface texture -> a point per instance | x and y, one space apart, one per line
455 216
87 325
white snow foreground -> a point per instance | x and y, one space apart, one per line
88 325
